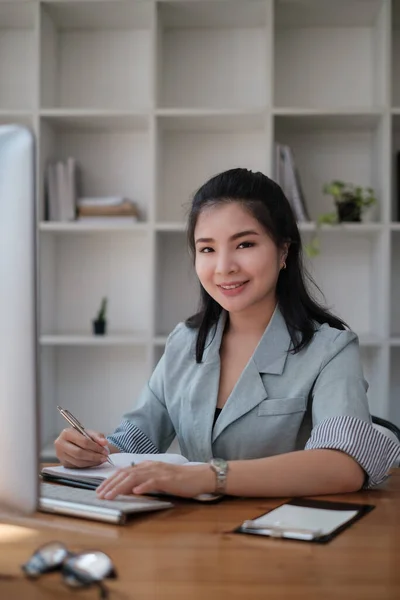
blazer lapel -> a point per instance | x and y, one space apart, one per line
269 357
203 392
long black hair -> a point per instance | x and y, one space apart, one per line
266 202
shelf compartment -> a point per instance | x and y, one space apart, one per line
395 212
160 340
86 339
98 385
395 284
352 288
341 228
112 151
97 119
313 121
202 146
349 147
395 53
79 227
17 55
174 271
394 408
360 115
172 227
319 50
224 119
374 366
213 54
76 272
371 341
8 117
96 54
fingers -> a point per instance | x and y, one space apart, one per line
80 440
130 479
120 483
74 449
98 437
150 485
158 477
81 457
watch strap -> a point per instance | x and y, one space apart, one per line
220 468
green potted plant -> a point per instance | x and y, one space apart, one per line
100 322
350 201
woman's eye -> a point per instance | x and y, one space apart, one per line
206 250
246 245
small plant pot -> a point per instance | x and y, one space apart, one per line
99 327
348 212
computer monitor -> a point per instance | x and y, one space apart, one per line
18 369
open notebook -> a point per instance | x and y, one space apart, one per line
91 477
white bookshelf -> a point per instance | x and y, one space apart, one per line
154 96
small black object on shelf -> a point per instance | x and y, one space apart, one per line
348 212
100 322
99 327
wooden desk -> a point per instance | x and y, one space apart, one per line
187 553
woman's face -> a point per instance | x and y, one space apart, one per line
236 261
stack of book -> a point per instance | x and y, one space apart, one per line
61 190
287 176
64 202
107 209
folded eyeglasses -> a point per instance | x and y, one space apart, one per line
78 570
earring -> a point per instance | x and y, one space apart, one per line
283 265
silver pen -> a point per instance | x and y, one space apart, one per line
283 531
73 421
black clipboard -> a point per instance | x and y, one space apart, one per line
284 534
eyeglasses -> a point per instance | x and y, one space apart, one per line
78 570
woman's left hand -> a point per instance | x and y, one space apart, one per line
151 476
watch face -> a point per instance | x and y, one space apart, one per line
219 463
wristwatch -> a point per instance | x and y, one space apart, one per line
220 468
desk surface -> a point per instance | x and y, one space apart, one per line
188 553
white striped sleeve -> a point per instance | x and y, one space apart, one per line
129 438
375 452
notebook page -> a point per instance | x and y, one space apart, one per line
290 516
122 459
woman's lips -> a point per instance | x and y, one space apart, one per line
232 289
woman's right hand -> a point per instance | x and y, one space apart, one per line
74 450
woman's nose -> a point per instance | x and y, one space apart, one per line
225 263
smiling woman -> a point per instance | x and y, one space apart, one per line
240 262
263 385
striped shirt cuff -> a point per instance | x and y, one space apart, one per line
375 452
128 438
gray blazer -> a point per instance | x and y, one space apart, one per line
278 401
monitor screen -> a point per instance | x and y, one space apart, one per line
18 368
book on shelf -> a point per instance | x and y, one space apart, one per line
106 220
64 203
113 209
286 174
61 190
100 200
